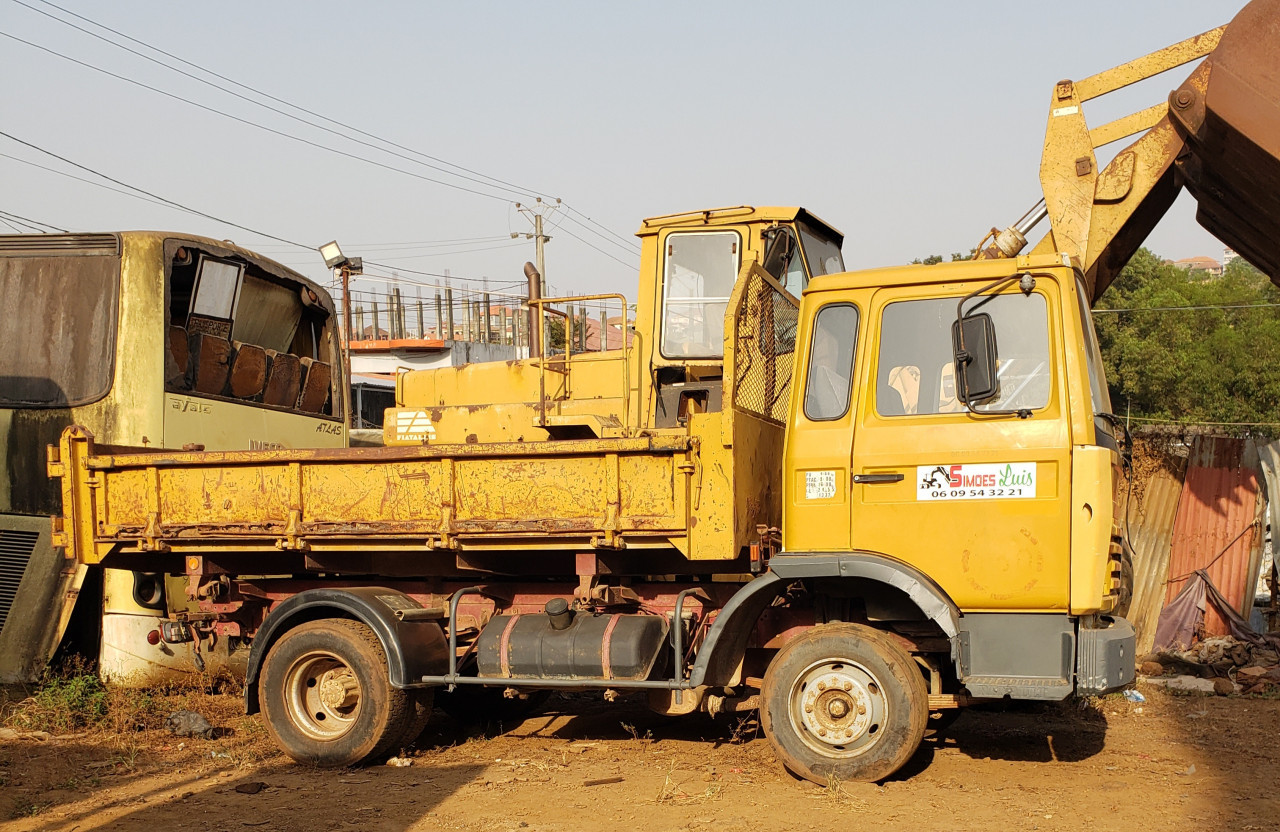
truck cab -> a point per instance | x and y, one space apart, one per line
1001 490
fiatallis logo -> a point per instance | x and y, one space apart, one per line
976 482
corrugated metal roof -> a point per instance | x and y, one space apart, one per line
1217 525
1151 536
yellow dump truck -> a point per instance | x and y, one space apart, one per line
856 501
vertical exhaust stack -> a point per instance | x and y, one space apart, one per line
535 293
1232 126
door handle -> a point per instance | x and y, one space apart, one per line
874 478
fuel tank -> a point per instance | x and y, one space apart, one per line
571 645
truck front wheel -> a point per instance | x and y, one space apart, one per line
326 697
843 701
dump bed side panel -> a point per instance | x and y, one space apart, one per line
606 493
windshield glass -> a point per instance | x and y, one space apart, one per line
822 253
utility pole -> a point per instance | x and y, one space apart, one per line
537 213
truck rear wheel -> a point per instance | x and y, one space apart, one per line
326 696
843 701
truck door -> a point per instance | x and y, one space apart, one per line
979 503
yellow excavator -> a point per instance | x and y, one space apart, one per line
1217 135
854 501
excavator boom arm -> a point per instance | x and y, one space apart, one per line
1218 135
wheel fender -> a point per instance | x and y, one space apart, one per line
414 648
923 592
727 639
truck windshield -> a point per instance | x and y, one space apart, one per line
822 253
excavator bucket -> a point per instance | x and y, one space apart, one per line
1231 126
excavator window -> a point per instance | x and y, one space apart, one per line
697 279
916 375
823 254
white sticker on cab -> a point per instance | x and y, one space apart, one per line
819 485
995 481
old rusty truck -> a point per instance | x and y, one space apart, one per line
851 500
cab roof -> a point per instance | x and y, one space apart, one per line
916 273
734 215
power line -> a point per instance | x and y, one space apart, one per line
168 202
36 224
629 242
82 179
1197 423
1187 308
251 123
454 251
509 185
597 248
501 184
277 110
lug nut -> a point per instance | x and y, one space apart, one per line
848 685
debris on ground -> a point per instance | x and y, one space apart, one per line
190 724
1221 665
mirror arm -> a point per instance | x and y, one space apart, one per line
1026 283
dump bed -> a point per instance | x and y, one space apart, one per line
567 495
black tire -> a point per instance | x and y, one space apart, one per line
485 706
326 697
843 701
423 701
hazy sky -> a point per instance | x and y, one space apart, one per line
912 127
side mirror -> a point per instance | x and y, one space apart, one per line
974 342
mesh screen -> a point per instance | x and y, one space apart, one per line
764 350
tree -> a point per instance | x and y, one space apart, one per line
1172 351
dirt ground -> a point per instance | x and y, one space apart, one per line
1176 762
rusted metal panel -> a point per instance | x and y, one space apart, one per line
1150 531
1217 528
598 493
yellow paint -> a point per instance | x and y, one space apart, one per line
987 554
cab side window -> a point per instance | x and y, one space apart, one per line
916 375
830 377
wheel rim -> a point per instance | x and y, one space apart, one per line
838 708
322 695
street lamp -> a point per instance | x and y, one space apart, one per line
335 259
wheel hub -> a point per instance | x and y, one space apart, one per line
339 689
322 694
838 707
